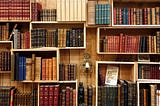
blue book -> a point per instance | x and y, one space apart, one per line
100 14
102 18
24 68
16 68
97 14
107 14
20 68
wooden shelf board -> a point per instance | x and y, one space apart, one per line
50 81
5 41
149 63
135 26
36 49
125 53
15 21
148 81
5 72
113 62
57 22
136 1
72 47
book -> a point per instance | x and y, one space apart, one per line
37 68
111 75
91 12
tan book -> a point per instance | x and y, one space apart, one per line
37 68
71 13
43 75
54 62
75 10
152 93
148 15
155 45
59 18
28 68
50 69
79 10
67 10
64 38
94 95
91 12
153 16
33 67
157 15
6 31
63 10
84 10
47 67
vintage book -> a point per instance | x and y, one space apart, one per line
89 93
152 93
35 10
74 97
67 96
37 68
54 68
59 11
47 69
83 18
111 75
91 12
50 70
43 73
33 67
56 93
71 96
63 97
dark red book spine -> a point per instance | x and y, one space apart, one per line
67 96
46 95
41 89
56 95
51 95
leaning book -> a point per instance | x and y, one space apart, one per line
111 75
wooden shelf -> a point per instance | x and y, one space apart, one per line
5 72
126 53
19 21
158 63
57 22
136 1
148 81
50 81
36 49
113 62
135 26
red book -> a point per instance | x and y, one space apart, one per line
56 93
41 89
51 95
46 95
36 7
74 97
67 96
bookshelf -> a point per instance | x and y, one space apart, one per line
91 27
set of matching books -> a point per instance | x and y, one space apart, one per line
149 95
40 37
67 72
131 43
54 95
148 71
67 96
4 32
48 15
71 10
21 40
5 60
136 16
103 14
15 10
22 99
123 94
35 68
6 95
91 91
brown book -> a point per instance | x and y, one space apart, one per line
47 71
28 68
46 95
71 97
54 69
152 93
67 96
33 67
37 68
41 90
50 70
63 97
93 95
43 73
91 12
74 97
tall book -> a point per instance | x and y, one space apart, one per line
33 67
37 68
91 12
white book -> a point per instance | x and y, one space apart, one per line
67 10
83 10
71 13
79 10
63 11
75 10
59 18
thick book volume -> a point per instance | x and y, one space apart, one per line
4 32
89 95
71 10
91 12
136 16
48 15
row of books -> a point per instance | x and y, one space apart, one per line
149 95
22 99
4 32
48 15
71 10
40 37
15 10
5 60
123 94
148 72
35 68
67 72
103 14
130 43
136 16
21 40
54 95
6 92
